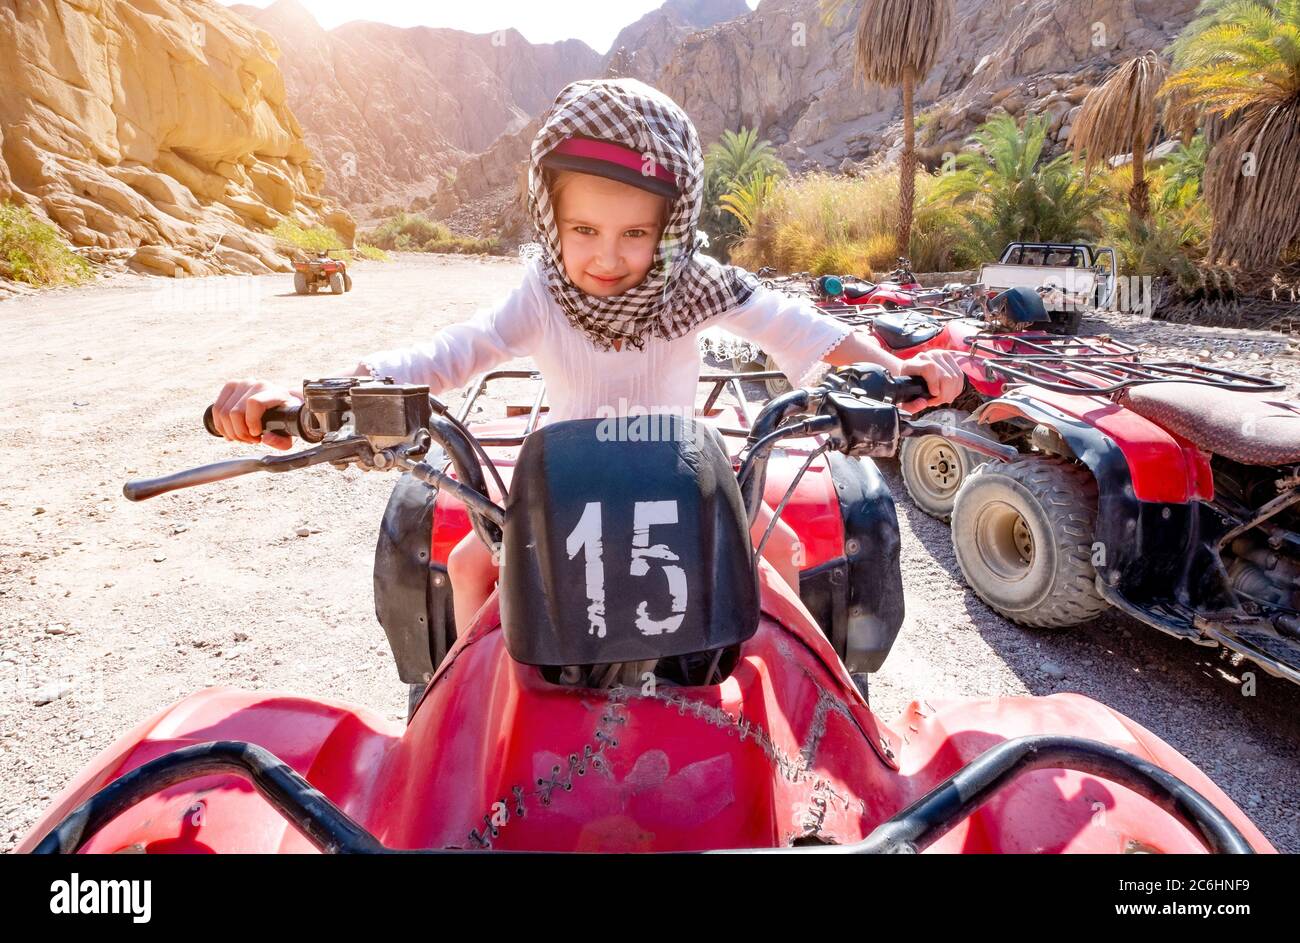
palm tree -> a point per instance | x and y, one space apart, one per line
1119 117
739 154
729 166
897 43
1239 65
745 199
1012 193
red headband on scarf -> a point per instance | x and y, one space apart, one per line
613 161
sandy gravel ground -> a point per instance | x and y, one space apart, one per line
111 610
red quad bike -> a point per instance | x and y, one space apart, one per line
636 682
900 289
1168 490
309 277
856 302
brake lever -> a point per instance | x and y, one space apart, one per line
966 439
339 451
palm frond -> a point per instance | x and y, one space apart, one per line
895 36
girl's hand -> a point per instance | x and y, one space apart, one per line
942 373
237 411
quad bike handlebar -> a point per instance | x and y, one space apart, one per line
289 420
375 423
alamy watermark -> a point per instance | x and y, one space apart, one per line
1131 294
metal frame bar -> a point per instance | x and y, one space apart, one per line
1092 376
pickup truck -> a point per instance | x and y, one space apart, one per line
1077 277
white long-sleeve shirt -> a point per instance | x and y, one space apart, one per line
584 382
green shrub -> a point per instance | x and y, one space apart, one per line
34 252
409 232
831 224
372 253
311 239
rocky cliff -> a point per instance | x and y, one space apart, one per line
154 131
782 69
643 48
391 112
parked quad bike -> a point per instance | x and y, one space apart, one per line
854 301
900 289
1168 490
741 727
311 276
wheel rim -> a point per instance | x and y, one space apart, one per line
781 384
1004 542
939 467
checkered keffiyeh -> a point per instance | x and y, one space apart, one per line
684 287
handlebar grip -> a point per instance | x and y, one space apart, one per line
908 388
286 419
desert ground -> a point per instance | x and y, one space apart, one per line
110 610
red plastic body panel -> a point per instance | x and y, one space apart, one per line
1164 466
496 757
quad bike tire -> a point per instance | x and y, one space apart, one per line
934 468
336 283
300 283
1023 535
347 282
772 388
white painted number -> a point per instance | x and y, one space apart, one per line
586 538
644 516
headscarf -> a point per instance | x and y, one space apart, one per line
684 287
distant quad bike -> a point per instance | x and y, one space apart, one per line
309 277
637 682
1168 490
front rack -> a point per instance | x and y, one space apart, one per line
717 383
1095 366
1095 376
910 830
1050 346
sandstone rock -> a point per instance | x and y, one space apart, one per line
1014 53
157 127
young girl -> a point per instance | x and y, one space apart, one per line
612 306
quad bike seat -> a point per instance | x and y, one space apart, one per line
1250 428
853 292
904 329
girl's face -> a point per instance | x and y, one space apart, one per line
608 231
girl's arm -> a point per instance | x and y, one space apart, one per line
460 352
804 341
455 356
939 368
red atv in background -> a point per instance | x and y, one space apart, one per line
900 289
855 302
636 683
1168 490
311 276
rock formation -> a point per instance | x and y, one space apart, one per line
782 69
391 111
154 130
643 48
